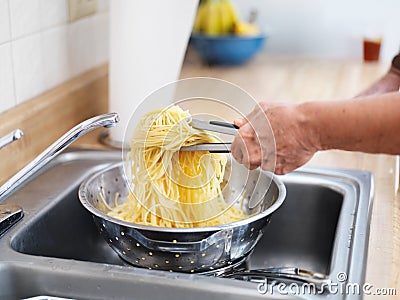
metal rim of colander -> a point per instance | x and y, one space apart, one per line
85 202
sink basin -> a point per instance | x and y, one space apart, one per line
56 250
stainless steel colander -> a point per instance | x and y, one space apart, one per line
198 249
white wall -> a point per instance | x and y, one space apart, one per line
39 49
326 28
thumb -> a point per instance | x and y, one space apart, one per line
240 122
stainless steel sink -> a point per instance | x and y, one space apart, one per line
56 250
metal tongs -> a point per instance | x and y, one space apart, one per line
214 126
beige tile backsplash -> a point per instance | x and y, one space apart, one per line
39 49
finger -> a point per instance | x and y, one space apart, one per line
246 152
240 154
248 164
283 169
236 149
268 165
252 155
247 131
253 167
240 122
279 171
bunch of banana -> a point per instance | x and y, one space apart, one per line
215 17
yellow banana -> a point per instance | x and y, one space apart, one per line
225 19
215 17
246 29
212 23
200 16
231 11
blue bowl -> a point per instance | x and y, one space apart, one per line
227 50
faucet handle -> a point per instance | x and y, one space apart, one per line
11 137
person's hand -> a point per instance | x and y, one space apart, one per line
254 146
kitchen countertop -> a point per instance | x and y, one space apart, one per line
290 79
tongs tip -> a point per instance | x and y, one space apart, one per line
213 126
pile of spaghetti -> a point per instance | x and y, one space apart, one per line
172 188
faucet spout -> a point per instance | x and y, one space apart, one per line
105 120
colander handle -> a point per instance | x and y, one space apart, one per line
222 238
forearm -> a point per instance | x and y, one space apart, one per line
371 125
388 83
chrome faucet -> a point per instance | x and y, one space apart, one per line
11 137
105 120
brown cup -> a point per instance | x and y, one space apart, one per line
372 49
